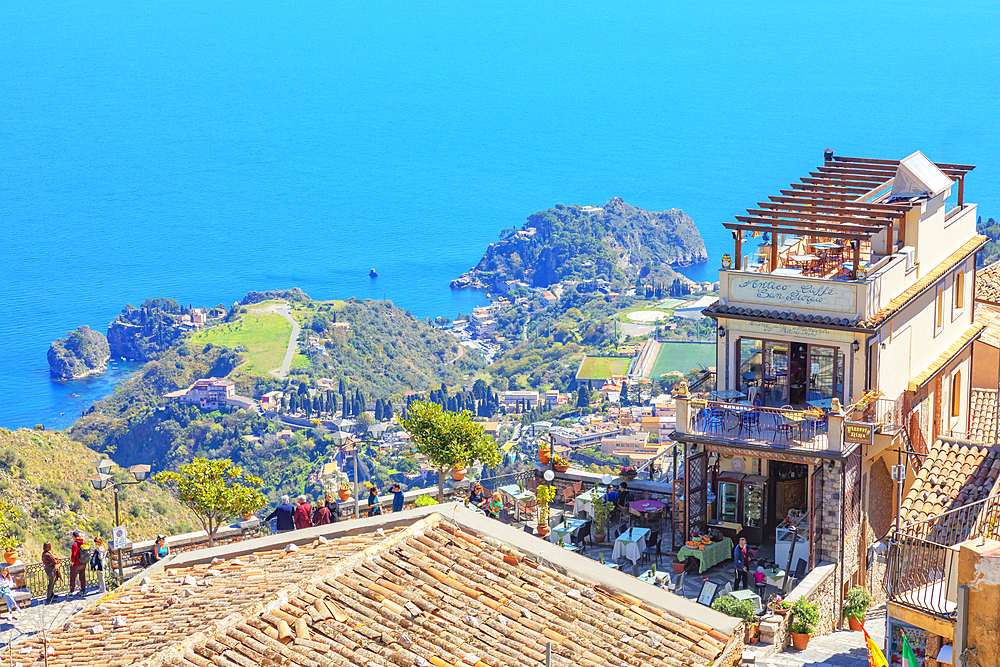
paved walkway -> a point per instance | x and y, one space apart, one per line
286 312
44 616
840 649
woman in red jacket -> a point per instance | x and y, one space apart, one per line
303 513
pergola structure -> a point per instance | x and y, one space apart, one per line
845 198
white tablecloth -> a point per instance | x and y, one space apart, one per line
583 504
632 550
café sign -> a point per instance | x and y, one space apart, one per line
859 433
781 291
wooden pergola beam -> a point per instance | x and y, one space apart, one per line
820 218
873 181
943 166
814 194
797 231
836 203
824 190
857 214
860 188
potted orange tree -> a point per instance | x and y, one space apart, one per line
344 492
545 495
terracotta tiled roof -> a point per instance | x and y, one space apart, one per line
954 473
719 308
925 281
983 416
427 594
988 283
989 316
942 360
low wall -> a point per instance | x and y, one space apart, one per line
819 586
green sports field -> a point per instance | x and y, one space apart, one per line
263 335
682 357
602 368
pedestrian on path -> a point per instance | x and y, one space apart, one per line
397 498
51 564
741 562
374 507
77 567
98 560
160 548
303 514
285 515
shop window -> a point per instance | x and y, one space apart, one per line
956 394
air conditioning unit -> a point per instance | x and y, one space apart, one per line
910 253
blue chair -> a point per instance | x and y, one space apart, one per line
813 396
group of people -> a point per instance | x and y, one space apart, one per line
304 515
742 560
491 504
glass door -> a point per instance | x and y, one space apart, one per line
728 496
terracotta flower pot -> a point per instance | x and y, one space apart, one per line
856 624
800 642
543 456
561 468
458 474
781 612
678 567
628 478
10 557
751 633
344 494
600 537
542 529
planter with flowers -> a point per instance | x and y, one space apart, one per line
8 515
779 606
628 473
560 464
543 453
344 492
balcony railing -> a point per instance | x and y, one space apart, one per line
883 412
923 560
773 427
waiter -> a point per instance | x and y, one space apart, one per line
742 564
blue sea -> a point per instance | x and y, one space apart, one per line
199 150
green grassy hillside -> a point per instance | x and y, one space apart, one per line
44 473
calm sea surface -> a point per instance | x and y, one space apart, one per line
199 150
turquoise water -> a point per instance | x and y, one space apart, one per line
200 150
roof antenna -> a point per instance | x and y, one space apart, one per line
828 155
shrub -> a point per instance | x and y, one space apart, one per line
730 606
806 617
857 603
425 501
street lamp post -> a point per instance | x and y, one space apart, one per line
103 479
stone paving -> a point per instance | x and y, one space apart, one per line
840 649
44 616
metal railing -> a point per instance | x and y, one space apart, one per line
923 563
36 581
774 427
884 412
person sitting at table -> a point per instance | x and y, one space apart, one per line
624 496
760 581
611 495
741 562
478 497
495 506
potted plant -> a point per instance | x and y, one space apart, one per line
543 453
628 473
806 616
742 609
9 545
856 607
8 515
545 495
779 606
560 464
602 515
458 474
344 492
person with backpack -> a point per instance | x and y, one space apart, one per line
77 567
97 560
303 514
321 513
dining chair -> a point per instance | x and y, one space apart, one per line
528 508
580 539
813 396
783 424
568 496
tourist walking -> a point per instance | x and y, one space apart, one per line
285 515
321 514
98 560
7 592
303 514
51 564
374 507
397 498
741 561
77 567
334 506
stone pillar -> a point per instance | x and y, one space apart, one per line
831 512
683 411
835 431
979 569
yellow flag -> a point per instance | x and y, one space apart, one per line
875 657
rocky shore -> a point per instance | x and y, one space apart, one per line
81 353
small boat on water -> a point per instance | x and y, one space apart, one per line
373 274
74 395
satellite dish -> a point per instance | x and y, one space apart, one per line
549 475
607 478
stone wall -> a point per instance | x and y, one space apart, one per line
829 546
819 586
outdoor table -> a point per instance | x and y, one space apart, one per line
822 403
566 529
787 272
569 547
825 245
775 577
728 394
584 503
645 506
518 496
630 544
745 594
613 566
648 577
712 555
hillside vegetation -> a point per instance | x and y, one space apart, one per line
567 242
262 335
44 473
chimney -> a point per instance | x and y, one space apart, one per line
828 155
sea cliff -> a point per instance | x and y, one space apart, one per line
81 353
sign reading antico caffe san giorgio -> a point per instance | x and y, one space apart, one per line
811 295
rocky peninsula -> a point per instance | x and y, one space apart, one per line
81 353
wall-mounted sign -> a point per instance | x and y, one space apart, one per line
788 292
778 331
859 433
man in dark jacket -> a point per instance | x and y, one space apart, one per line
397 498
303 514
78 567
285 514
741 562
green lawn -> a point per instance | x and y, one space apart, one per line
682 357
264 336
602 368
